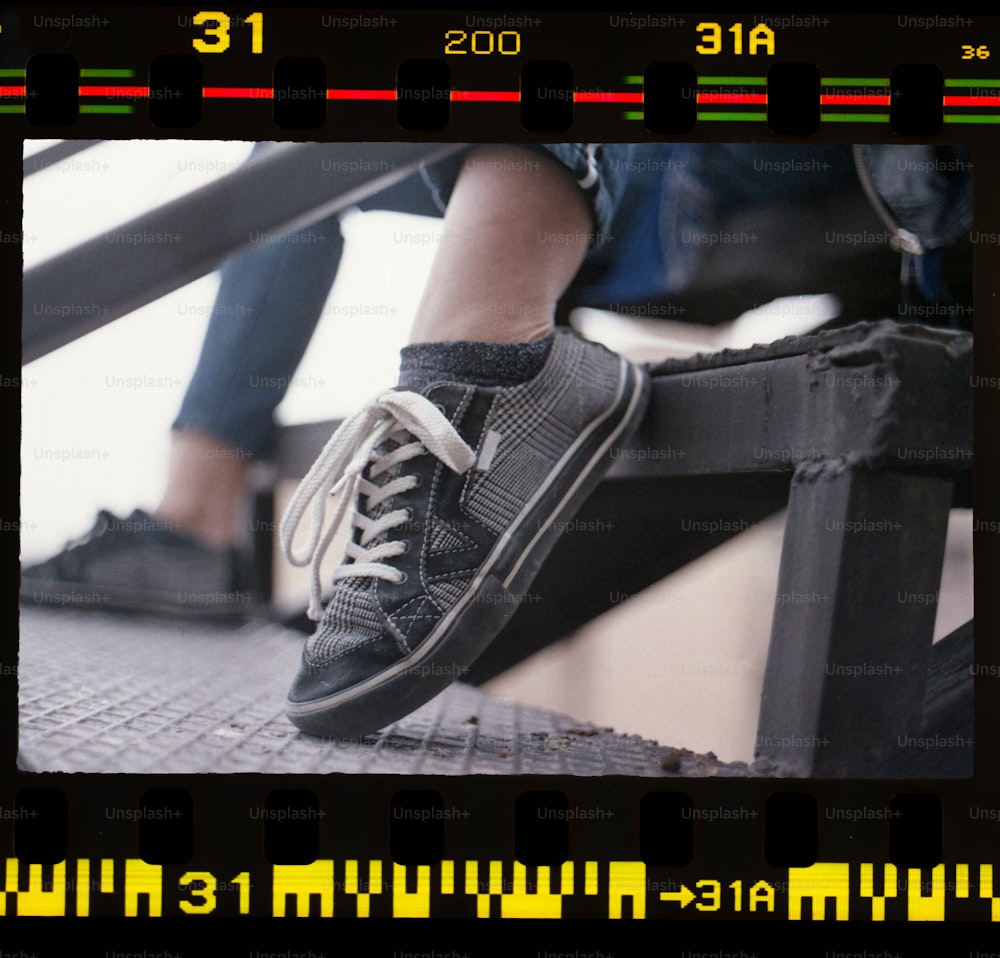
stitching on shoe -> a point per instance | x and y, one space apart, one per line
438 521
431 511
463 405
413 617
444 576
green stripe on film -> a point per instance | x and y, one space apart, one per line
972 118
854 117
633 79
747 81
633 115
100 108
756 117
101 72
12 109
854 81
12 72
972 82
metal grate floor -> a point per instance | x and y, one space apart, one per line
112 693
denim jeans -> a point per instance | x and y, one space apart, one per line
269 301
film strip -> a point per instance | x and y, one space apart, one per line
745 686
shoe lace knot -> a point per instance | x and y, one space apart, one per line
420 427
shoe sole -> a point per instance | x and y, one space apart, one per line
472 624
82 597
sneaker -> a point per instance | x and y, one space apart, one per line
136 565
458 495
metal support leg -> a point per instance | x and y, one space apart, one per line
854 618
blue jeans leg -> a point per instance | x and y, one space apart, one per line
269 301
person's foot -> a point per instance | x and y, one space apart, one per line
458 495
137 565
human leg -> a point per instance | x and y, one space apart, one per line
269 302
463 476
499 229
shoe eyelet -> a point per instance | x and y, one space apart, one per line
402 579
407 545
419 481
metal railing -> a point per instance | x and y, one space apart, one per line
288 190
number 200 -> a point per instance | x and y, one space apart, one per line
507 42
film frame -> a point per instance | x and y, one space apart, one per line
966 843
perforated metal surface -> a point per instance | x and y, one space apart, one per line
105 693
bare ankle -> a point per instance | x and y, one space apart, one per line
206 489
202 528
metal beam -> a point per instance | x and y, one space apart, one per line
56 153
874 394
286 188
853 621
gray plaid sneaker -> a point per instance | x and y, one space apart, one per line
458 495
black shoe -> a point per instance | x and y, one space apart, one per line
136 565
459 493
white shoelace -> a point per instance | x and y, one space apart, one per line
339 469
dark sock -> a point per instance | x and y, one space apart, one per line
481 364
